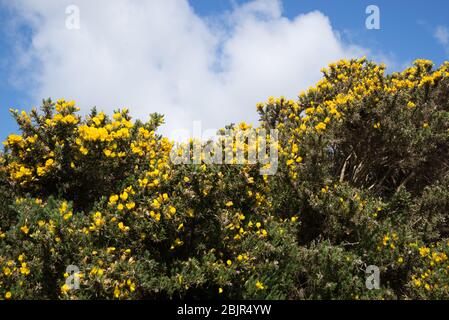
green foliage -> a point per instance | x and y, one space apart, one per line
362 180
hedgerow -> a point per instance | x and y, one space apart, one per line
362 180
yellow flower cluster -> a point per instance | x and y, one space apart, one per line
97 136
326 104
389 240
65 114
157 207
433 274
11 269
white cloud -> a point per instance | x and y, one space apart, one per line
442 35
160 56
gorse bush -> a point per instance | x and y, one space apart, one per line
362 180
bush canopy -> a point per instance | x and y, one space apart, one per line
362 179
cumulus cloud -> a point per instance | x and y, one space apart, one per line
160 56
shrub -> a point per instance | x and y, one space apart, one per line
362 180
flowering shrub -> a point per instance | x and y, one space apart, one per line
362 180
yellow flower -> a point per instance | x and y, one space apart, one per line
116 292
320 126
8 295
68 215
259 285
411 105
229 262
376 125
84 151
113 199
93 271
63 207
49 162
122 227
24 270
178 242
40 171
124 196
65 288
229 204
7 271
424 251
417 282
220 290
25 229
186 179
156 204
13 139
385 240
310 111
130 205
110 249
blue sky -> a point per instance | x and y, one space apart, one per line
407 27
408 31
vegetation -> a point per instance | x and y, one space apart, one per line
362 180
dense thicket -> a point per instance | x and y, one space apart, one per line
362 180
